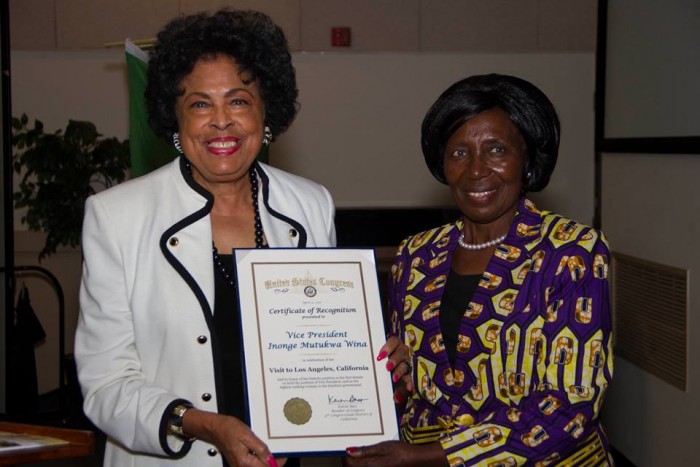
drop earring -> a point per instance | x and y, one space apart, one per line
267 136
176 142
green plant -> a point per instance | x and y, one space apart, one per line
60 170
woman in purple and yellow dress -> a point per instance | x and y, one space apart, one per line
506 311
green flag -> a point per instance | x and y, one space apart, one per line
148 151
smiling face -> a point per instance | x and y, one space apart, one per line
220 120
484 165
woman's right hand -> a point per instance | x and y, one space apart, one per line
234 439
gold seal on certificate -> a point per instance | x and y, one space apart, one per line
297 411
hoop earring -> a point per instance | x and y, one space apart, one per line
267 136
176 142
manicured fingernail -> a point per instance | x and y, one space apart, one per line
351 449
271 461
395 377
409 387
382 355
398 398
389 365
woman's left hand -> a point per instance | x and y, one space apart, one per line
399 363
396 454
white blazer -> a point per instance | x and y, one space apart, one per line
143 340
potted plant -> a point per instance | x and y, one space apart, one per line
59 171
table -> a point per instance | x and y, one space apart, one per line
80 444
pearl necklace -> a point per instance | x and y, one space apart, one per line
479 246
223 270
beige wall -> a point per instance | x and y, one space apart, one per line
359 124
377 25
650 210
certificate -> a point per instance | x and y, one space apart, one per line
312 327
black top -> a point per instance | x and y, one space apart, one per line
227 326
459 290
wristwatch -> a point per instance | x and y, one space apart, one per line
175 423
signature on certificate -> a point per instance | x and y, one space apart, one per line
352 399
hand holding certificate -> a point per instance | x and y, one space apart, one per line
312 324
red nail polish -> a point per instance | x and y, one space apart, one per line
398 398
389 366
350 450
382 355
271 461
394 377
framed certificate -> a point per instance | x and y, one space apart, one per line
312 327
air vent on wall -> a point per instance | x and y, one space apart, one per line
650 318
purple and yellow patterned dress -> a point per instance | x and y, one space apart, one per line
534 348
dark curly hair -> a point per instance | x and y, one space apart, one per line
526 106
251 38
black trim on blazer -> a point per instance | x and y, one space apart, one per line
266 195
186 171
187 277
163 431
191 219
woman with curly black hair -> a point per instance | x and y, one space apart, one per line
157 344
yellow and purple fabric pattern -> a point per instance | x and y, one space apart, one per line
534 350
